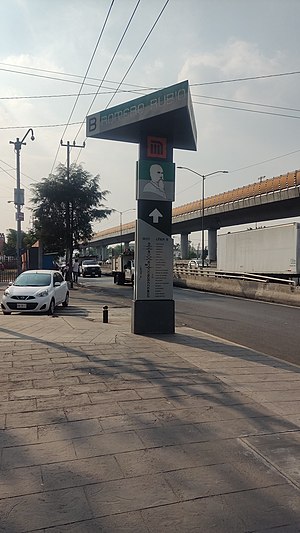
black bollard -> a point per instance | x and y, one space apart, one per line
105 314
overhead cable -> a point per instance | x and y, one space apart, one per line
135 57
110 63
86 73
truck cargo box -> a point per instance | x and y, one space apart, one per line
268 250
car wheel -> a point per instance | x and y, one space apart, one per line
6 312
66 302
51 308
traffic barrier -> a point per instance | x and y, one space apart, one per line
268 292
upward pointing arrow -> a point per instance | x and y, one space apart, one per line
156 215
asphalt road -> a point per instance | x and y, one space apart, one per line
272 329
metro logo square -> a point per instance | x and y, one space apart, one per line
157 147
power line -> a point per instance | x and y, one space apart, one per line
136 55
216 82
243 102
68 74
248 166
138 52
111 61
266 161
60 125
82 83
248 78
248 110
68 95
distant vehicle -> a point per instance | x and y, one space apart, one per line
2 267
123 268
35 291
271 250
90 267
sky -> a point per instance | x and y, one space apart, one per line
249 127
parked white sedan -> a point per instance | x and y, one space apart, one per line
35 291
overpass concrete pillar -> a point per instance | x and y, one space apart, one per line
98 250
104 253
212 244
184 245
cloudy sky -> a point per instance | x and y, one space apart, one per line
249 127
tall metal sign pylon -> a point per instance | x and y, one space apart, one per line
158 122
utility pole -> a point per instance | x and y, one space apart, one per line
19 195
70 212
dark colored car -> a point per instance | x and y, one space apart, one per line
90 267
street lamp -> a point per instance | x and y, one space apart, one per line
203 176
19 193
121 213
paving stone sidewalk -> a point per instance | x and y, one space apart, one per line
105 431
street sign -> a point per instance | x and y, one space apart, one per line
169 110
154 258
20 216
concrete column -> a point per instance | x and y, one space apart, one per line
103 253
212 244
184 245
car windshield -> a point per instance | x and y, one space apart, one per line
90 262
33 279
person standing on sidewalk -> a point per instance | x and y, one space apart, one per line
75 269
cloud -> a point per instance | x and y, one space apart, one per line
236 58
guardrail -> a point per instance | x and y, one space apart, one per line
183 270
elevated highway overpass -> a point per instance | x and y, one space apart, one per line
270 199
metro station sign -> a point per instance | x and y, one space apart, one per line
169 109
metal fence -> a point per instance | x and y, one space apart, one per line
8 269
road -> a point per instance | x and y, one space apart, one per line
272 329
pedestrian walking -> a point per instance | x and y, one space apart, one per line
75 269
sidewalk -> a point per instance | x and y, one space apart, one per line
104 431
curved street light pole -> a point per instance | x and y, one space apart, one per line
203 176
19 197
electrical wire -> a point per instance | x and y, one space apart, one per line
110 63
59 125
134 60
70 75
216 82
248 78
246 167
244 102
84 78
248 110
44 96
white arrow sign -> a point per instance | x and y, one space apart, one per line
156 215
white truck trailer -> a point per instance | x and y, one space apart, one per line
123 268
271 250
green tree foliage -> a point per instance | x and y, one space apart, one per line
66 206
27 239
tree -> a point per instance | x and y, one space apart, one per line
10 246
65 205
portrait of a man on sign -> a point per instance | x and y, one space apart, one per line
155 181
157 185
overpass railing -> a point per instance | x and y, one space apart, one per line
183 270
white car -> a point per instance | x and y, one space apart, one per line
35 291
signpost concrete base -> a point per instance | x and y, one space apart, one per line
149 317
